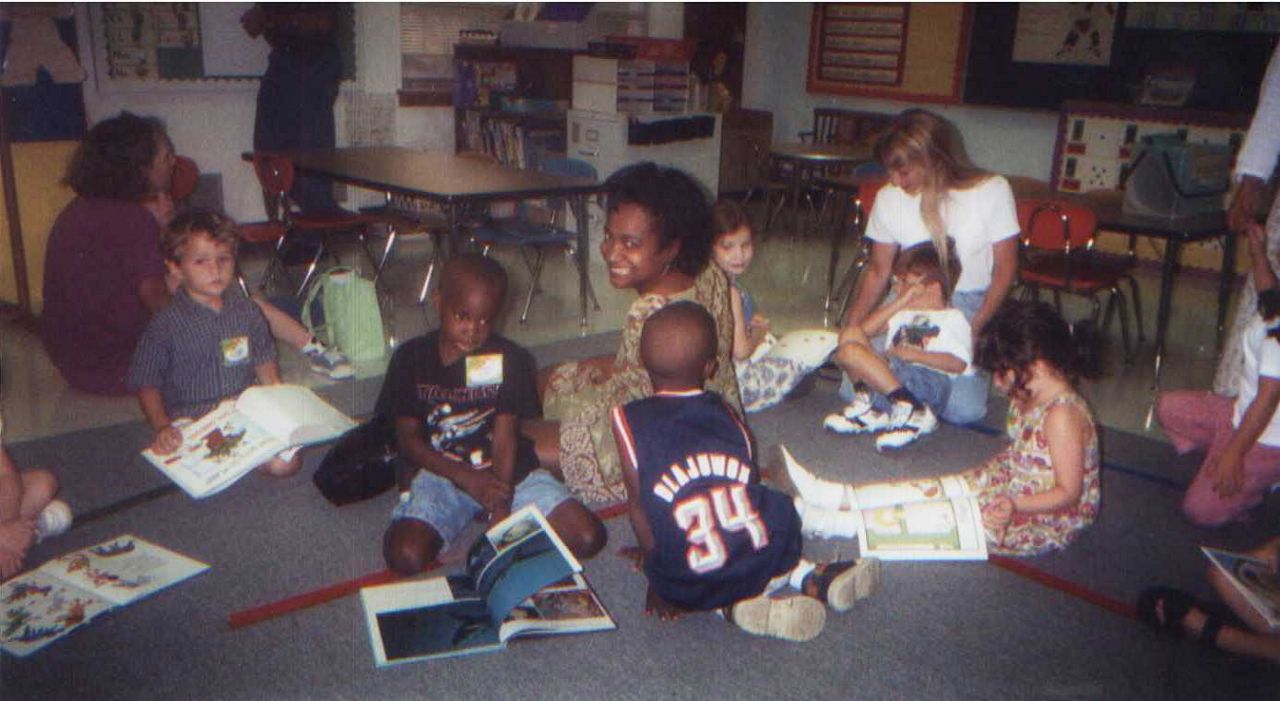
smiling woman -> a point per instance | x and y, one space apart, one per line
657 242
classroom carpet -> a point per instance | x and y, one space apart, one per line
1050 627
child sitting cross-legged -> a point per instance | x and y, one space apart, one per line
209 344
29 512
900 392
457 397
711 536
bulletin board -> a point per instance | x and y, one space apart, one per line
144 46
900 50
1106 51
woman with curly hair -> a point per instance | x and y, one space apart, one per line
657 241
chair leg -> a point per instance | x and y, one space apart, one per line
311 270
1124 325
436 247
1137 307
392 234
535 273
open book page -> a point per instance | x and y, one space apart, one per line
872 496
439 617
948 529
124 569
1255 581
515 558
293 414
564 607
217 449
808 348
37 609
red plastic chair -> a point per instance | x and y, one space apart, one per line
1057 254
861 201
185 177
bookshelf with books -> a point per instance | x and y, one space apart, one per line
510 102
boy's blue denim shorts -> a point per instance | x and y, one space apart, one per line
440 504
930 386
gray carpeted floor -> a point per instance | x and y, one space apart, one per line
935 630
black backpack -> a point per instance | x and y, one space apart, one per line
361 465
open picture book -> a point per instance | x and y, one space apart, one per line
519 580
238 435
1254 580
930 518
67 592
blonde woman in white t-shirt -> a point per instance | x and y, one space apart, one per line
935 193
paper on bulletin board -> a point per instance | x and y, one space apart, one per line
228 50
1074 33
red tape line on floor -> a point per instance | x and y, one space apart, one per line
1022 569
324 595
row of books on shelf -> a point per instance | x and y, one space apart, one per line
508 140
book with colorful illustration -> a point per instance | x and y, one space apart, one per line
1253 579
238 435
519 580
67 592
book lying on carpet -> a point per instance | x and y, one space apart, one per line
934 518
1253 579
66 592
238 435
520 580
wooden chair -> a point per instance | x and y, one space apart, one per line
1057 254
832 125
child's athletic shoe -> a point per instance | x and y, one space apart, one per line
842 584
918 422
813 490
328 361
53 520
826 523
868 421
796 618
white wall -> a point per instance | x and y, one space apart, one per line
214 125
1010 141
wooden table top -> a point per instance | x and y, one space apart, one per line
436 175
1109 206
822 153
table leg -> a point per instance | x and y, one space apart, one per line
1172 248
452 245
1225 278
837 236
579 205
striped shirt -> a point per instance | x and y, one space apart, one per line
197 356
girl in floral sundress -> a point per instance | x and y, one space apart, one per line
1039 492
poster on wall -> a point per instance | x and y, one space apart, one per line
1070 33
42 75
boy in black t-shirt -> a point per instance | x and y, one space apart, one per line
456 397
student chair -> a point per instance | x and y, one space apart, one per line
859 205
1057 254
537 227
276 175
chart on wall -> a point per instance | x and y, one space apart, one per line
888 49
137 45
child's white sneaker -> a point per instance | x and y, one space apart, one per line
53 520
328 361
796 618
868 421
827 523
919 422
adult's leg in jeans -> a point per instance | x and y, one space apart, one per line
968 400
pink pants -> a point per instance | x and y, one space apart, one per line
1202 420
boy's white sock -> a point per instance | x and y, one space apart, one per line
828 523
799 572
814 490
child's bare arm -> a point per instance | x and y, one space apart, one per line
1264 277
937 360
10 488
1228 468
505 436
268 373
878 320
1067 431
481 485
631 478
168 437
742 346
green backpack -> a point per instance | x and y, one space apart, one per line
352 317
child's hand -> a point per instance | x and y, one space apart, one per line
1228 474
490 492
655 605
759 325
17 536
634 554
167 440
997 514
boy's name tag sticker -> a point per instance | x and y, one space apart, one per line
484 370
235 351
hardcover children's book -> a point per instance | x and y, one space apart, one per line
520 580
63 594
1255 581
933 518
238 435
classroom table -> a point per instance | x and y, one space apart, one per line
808 160
454 182
1109 206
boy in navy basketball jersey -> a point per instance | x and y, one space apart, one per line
712 536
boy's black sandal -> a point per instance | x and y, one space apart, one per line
1177 604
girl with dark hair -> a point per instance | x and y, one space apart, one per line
1039 492
657 241
104 273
